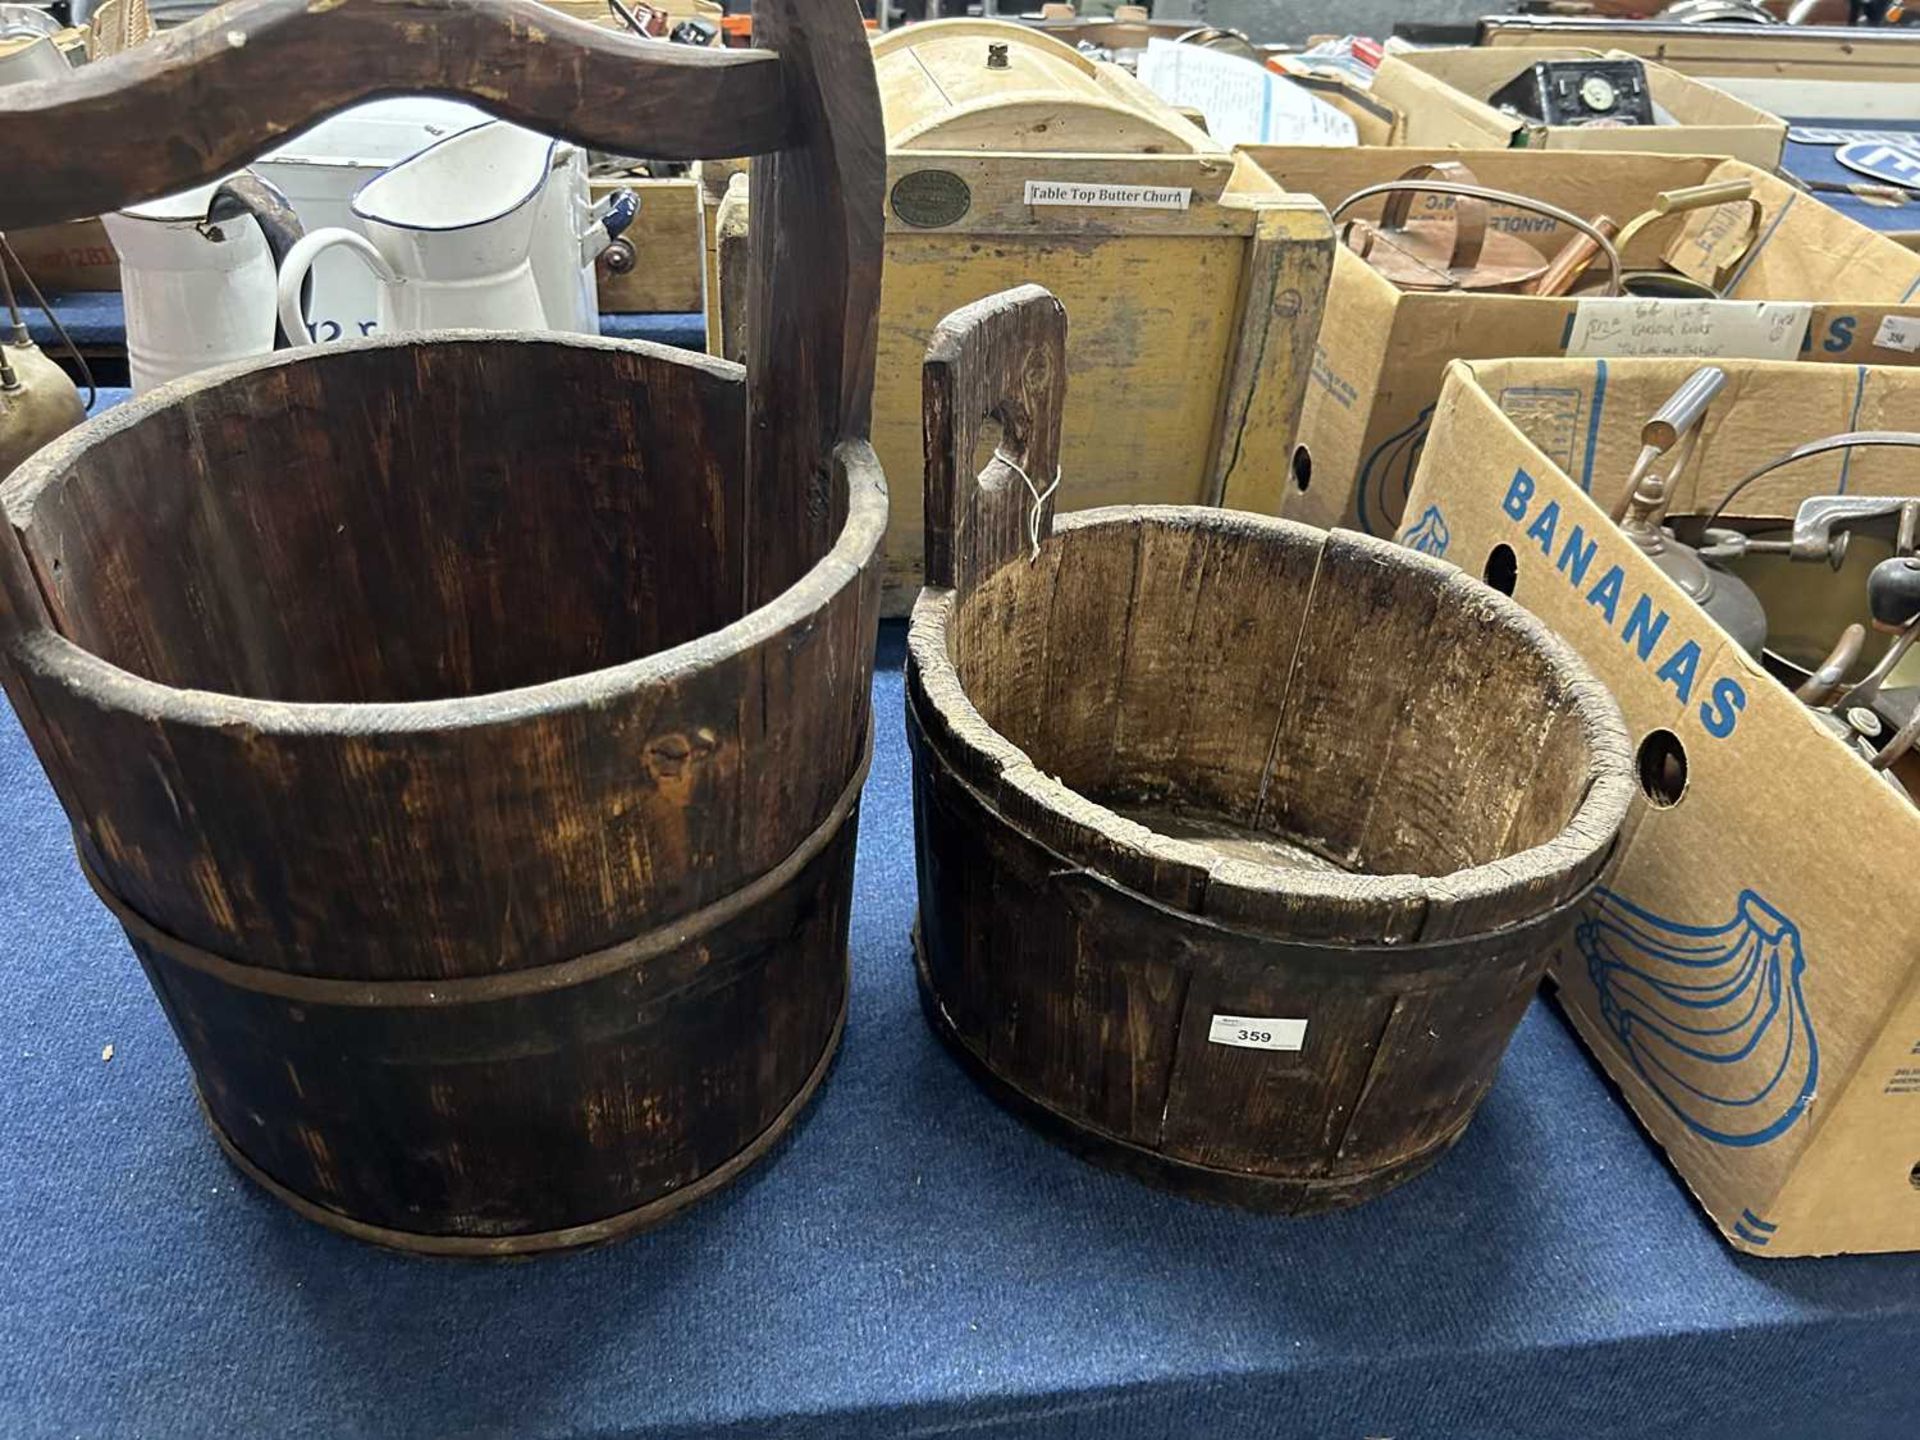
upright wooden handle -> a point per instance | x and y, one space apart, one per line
1002 359
198 101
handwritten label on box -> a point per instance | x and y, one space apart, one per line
1708 329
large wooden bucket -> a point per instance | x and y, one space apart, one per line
468 730
1242 845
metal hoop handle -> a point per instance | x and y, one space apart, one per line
1827 445
1469 216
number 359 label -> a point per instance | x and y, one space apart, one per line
1251 1032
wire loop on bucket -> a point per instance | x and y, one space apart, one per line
1040 498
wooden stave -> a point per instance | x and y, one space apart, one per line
1152 879
614 1227
522 1123
86 715
1275 1195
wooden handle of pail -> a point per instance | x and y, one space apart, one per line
1000 361
198 101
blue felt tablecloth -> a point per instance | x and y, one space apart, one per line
913 1262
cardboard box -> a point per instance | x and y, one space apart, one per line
1442 96
1749 974
1790 70
68 257
1382 351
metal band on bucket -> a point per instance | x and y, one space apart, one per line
507 985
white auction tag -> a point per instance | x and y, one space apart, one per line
1709 329
1252 1032
1129 197
1898 332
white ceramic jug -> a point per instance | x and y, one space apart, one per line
449 235
574 231
197 275
322 169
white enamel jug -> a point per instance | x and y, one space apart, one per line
322 169
450 235
197 275
571 234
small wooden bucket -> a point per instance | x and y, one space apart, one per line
468 730
1242 845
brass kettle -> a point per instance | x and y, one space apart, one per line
37 400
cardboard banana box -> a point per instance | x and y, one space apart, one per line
1749 974
1381 351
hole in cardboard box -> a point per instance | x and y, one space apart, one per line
1663 768
1913 1177
1503 570
1302 467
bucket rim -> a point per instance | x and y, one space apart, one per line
68 663
1242 891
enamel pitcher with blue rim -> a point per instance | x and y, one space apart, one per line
197 273
450 236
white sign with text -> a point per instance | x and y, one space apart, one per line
1606 328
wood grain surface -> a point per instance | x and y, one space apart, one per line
468 729
201 99
1188 763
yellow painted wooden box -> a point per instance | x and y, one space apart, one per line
667 274
1193 284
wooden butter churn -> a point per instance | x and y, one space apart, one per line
468 731
1194 281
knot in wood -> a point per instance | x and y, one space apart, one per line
669 755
